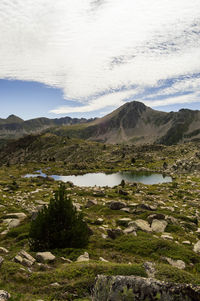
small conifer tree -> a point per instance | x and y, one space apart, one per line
59 225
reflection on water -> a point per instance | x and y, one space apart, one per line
102 179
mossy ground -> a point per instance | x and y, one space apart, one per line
127 253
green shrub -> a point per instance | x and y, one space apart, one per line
59 225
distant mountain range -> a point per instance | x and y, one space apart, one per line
132 123
15 127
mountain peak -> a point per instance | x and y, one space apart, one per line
14 119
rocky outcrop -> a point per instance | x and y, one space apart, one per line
118 288
4 295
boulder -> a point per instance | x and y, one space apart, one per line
3 250
197 247
141 225
84 257
180 264
44 257
99 221
117 205
19 215
24 258
91 203
124 221
12 222
102 259
4 295
148 207
116 288
155 216
167 236
158 225
150 269
114 233
130 230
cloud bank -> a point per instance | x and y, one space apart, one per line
104 52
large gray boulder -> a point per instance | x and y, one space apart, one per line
115 205
142 225
158 225
44 257
4 295
126 288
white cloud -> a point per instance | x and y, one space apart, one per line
90 47
188 98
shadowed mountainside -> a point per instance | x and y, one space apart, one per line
135 123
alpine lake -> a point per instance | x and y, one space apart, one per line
110 180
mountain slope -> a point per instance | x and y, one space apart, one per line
132 123
135 123
15 127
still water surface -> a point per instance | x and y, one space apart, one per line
102 179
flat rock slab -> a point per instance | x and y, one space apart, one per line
118 288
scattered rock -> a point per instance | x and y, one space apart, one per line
117 205
158 225
84 257
66 260
124 221
91 203
150 269
1 260
141 225
186 242
114 233
102 259
155 216
24 258
148 207
4 295
197 247
20 215
130 230
55 284
3 250
45 257
176 263
167 236
12 222
99 221
114 288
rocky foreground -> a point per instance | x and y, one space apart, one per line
147 231
117 288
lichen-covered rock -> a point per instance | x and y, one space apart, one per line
24 258
158 225
117 205
180 264
4 295
84 257
45 257
197 247
118 288
141 225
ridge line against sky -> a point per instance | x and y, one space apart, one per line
98 54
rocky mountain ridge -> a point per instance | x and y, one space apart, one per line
132 123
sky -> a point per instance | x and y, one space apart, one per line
88 57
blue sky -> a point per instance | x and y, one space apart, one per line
31 99
86 58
